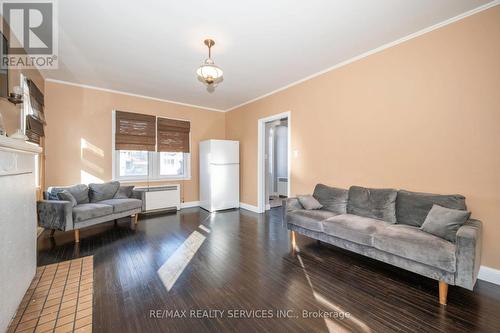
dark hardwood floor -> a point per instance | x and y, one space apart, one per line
244 263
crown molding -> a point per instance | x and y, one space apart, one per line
131 94
375 50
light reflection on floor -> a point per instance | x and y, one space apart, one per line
170 271
351 324
202 227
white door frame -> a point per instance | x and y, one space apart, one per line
261 179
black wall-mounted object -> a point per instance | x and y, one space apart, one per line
4 70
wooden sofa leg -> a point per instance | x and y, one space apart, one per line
443 292
77 235
52 232
135 217
293 240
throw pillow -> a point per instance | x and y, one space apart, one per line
309 202
124 192
66 196
445 222
105 191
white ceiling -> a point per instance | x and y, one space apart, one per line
153 48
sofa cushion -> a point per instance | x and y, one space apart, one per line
80 192
309 219
332 198
412 207
309 202
414 244
374 203
124 192
104 191
90 210
445 222
354 228
122 205
66 196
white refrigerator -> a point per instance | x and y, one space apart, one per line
219 174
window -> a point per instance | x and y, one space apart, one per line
143 165
132 163
149 148
171 164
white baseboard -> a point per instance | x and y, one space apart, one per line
251 208
190 204
489 274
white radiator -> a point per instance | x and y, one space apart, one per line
155 198
283 186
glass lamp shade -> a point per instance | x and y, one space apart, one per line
209 73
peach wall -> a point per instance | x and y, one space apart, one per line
423 115
78 133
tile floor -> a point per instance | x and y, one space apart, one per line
59 299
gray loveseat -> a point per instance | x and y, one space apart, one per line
79 206
384 224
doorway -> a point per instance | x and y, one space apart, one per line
274 161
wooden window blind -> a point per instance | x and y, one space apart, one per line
35 120
135 131
34 129
35 92
36 99
173 135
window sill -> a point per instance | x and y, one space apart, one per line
145 180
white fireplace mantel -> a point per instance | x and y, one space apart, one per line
17 222
7 143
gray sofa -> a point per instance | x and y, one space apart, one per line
384 224
79 206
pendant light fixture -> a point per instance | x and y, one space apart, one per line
209 73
